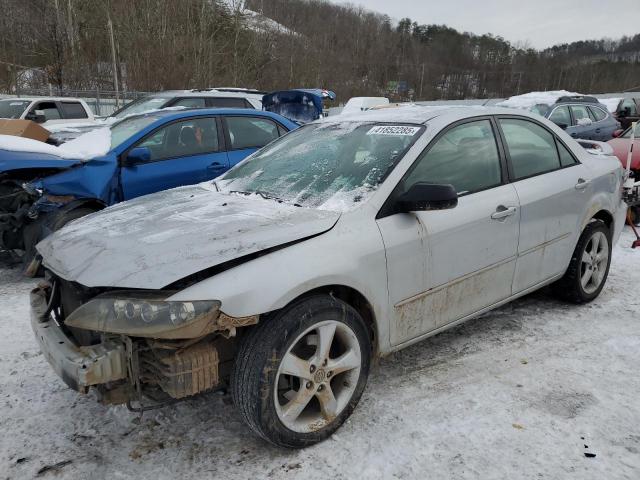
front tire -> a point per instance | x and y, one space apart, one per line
300 374
589 266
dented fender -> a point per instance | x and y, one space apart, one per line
270 282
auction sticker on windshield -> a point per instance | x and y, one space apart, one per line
393 130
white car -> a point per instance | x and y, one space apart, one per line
342 241
46 111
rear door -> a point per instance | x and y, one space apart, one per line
182 153
603 123
444 265
245 134
552 187
583 124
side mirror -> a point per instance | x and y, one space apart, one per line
617 133
136 156
427 196
37 116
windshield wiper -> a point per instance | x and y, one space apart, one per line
266 196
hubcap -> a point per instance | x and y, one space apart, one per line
593 266
317 376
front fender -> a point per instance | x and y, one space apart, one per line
349 255
96 179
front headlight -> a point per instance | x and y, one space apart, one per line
146 314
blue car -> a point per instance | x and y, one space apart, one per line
41 192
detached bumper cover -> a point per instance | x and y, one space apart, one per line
80 367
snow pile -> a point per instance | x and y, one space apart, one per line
516 393
531 99
259 23
78 126
21 144
90 145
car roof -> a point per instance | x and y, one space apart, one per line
421 114
45 99
177 113
209 92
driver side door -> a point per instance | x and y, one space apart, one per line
443 265
181 153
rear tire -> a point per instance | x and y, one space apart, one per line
589 267
299 374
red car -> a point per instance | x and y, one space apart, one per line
620 147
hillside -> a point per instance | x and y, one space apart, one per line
273 44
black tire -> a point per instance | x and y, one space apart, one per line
69 216
32 265
634 216
259 356
570 287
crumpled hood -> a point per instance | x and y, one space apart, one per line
14 160
155 240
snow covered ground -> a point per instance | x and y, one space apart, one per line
516 394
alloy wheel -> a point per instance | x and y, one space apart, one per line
317 376
593 266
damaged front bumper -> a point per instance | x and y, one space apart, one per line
124 368
80 367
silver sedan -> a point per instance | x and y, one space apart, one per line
342 241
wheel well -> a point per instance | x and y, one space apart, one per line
606 217
88 203
356 300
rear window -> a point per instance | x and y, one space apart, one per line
598 114
73 110
251 132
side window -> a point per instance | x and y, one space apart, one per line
49 109
566 159
194 102
629 103
580 115
219 102
561 116
181 139
598 113
466 157
251 132
532 148
73 110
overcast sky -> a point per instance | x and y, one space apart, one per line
540 22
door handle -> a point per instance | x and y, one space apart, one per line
503 212
597 130
215 166
582 184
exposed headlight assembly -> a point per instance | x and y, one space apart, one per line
146 314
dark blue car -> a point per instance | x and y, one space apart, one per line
40 192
